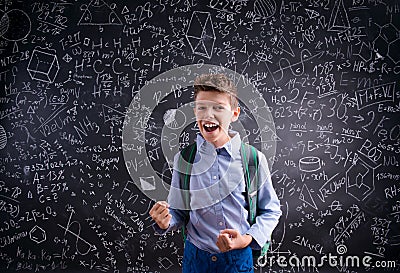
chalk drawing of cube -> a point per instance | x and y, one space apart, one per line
43 65
37 234
165 262
360 181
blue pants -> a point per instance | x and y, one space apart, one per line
196 260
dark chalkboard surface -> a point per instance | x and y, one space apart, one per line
95 100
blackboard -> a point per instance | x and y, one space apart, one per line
95 100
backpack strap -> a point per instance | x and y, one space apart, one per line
251 176
250 169
186 160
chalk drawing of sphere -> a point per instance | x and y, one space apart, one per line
174 118
15 25
3 138
265 8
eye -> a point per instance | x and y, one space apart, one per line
219 108
200 108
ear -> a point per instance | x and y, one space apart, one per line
235 114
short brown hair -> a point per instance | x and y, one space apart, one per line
216 82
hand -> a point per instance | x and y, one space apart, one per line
160 214
230 239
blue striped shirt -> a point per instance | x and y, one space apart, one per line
217 198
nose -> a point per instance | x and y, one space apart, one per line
209 113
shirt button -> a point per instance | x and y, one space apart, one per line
214 258
220 223
214 177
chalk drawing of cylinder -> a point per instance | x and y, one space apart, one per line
310 164
43 65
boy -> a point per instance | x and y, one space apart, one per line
219 237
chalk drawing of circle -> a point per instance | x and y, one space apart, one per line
309 164
174 119
15 25
3 138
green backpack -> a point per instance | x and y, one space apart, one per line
250 168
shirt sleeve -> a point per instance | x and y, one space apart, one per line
268 205
175 200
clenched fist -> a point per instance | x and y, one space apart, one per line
229 239
160 214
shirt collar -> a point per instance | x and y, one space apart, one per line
232 147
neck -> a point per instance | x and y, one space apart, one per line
219 144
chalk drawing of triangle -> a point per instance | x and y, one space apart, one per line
284 45
110 113
31 110
339 20
99 13
201 49
312 14
306 197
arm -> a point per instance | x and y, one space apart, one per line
160 214
229 239
167 215
166 219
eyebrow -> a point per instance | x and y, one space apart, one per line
207 103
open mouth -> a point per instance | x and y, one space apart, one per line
210 127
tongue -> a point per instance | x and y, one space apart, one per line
210 129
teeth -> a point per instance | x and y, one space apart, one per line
210 125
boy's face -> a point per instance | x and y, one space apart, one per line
214 114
